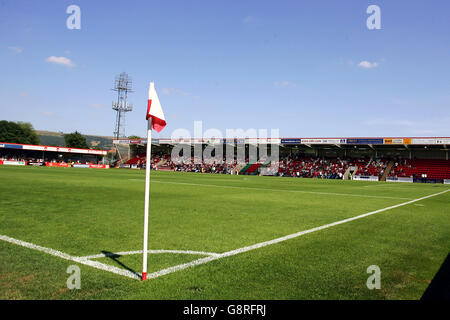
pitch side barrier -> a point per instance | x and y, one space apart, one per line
400 179
365 178
13 163
53 164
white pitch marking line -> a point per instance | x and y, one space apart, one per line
274 241
124 253
56 253
277 190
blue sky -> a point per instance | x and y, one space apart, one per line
307 68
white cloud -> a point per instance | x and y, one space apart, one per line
286 84
16 50
61 61
47 113
368 64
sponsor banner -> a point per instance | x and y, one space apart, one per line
57 164
197 141
35 164
90 151
446 181
48 148
51 148
263 141
423 141
291 141
273 141
213 141
399 179
251 140
121 141
134 166
37 148
14 163
99 166
366 178
365 140
394 141
311 141
141 141
234 140
79 165
123 165
31 147
181 140
431 141
11 146
331 141
323 141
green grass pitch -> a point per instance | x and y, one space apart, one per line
84 212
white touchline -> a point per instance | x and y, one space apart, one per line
278 240
210 255
66 256
276 190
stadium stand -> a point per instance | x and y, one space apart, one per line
371 167
405 159
416 168
314 167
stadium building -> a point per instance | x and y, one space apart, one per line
51 156
394 159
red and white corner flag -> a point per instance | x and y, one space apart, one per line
157 121
154 110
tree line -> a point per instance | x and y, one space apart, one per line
24 133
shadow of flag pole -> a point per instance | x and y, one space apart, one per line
157 121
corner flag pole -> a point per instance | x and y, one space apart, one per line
147 199
157 121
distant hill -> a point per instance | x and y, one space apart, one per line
49 138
